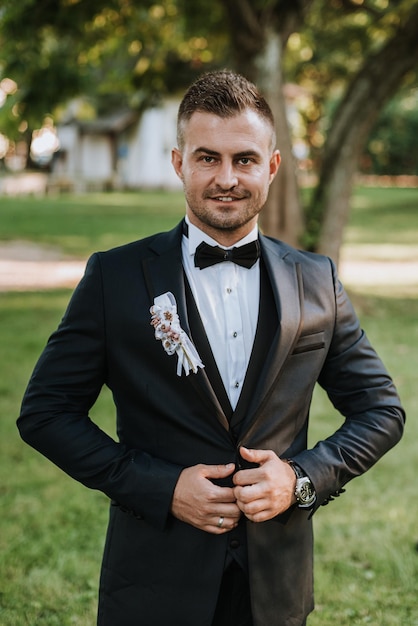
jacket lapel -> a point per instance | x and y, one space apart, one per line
286 284
163 270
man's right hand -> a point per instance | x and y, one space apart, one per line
197 501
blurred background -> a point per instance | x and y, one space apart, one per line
89 91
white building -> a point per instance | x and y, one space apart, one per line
124 150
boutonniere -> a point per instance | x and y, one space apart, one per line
167 328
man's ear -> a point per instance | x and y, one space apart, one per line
177 162
274 164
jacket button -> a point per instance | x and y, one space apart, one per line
234 544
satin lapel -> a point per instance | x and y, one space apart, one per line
286 283
163 271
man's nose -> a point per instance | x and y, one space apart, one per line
226 176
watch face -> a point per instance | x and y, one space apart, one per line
304 491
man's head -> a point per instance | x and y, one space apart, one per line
225 94
225 156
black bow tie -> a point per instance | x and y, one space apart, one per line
207 255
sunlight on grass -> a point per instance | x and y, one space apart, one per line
381 252
381 269
383 216
80 225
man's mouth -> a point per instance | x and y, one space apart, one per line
225 198
217 196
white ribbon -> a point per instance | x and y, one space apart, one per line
168 330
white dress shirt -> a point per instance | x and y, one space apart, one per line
227 297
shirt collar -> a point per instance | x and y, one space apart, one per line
196 236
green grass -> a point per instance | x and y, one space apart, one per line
384 215
79 225
367 541
52 529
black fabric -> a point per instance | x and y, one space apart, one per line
245 255
234 604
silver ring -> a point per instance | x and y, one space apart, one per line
220 522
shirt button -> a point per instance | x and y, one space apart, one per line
228 290
234 544
235 334
237 385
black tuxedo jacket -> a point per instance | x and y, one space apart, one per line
158 571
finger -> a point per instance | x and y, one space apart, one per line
260 516
224 524
254 507
220 524
220 495
218 471
256 456
227 511
246 478
247 493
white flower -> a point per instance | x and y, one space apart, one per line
167 327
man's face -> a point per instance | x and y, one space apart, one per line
226 165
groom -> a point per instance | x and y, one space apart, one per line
211 338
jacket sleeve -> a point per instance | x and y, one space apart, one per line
55 418
361 389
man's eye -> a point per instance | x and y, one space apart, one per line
245 160
208 159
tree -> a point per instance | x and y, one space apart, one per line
259 34
376 81
113 54
350 57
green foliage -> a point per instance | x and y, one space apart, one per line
327 53
129 53
392 148
125 53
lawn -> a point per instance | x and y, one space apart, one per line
52 529
79 225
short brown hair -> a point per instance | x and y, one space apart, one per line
223 93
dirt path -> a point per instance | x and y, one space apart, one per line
26 266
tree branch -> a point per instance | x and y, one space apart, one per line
373 85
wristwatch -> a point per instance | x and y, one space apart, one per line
304 490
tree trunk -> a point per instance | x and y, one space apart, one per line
282 215
376 82
259 37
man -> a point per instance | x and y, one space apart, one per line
211 338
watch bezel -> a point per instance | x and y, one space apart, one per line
302 481
304 491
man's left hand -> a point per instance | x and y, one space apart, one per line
265 491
